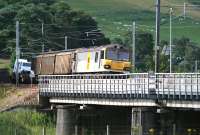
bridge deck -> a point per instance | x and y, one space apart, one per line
160 86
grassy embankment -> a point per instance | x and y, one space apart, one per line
115 17
5 90
26 123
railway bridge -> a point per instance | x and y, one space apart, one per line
139 91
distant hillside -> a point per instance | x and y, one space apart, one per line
116 16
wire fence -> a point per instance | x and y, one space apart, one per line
100 130
23 130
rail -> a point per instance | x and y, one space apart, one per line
164 86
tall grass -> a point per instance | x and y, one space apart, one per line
26 123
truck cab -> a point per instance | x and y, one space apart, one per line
24 70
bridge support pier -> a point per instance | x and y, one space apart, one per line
65 120
143 121
136 122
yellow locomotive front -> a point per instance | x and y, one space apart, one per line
117 59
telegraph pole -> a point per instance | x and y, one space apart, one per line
66 43
157 38
42 37
170 42
133 49
184 10
196 66
17 53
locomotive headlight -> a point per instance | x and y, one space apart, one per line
127 69
107 66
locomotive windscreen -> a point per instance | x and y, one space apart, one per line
118 54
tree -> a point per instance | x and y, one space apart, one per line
163 63
185 54
118 41
144 51
58 20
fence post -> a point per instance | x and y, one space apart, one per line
174 129
44 131
76 130
107 130
140 130
31 82
82 131
15 131
132 122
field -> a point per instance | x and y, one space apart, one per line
115 17
4 63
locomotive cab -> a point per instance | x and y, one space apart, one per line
117 59
103 59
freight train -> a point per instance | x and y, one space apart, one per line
111 58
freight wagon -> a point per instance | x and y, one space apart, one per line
112 58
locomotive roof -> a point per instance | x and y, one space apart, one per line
83 49
100 47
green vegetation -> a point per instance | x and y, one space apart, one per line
5 90
144 52
58 20
4 63
75 18
26 123
184 56
193 1
115 17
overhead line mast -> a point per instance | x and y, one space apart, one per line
157 36
17 53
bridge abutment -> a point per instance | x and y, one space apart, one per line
65 120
